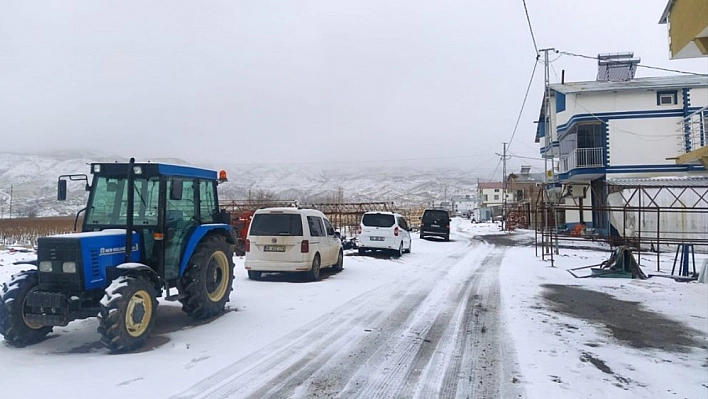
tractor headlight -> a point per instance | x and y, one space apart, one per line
68 267
138 170
96 168
45 266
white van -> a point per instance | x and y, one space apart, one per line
291 240
384 231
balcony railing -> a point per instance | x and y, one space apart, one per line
582 158
694 130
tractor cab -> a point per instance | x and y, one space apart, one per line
168 204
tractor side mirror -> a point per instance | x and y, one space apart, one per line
61 190
176 190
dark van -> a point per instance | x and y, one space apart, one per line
436 223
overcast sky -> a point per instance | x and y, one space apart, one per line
332 82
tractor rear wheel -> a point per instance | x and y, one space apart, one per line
13 326
208 280
127 314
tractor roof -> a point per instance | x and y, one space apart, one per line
152 169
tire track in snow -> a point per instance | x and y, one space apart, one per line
268 367
419 338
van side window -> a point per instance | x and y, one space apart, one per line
328 226
402 223
316 226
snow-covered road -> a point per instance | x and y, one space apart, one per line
473 317
427 331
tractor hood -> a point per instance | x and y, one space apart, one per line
92 253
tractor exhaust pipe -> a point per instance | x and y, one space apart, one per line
129 216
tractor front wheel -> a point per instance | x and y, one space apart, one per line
127 314
208 280
13 326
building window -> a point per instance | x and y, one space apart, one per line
496 190
496 198
486 197
666 98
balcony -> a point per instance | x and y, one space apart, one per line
694 143
582 158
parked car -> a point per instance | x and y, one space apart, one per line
384 231
436 223
292 240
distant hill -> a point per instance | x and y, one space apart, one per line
31 179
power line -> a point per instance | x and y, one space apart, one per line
639 65
523 103
533 38
497 168
652 137
523 157
364 160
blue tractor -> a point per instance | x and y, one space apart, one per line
179 246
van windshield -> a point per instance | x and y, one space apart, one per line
276 224
377 220
433 215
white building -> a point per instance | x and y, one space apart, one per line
632 128
463 205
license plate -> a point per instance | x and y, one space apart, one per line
435 225
377 238
274 248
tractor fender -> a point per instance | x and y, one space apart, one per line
198 234
139 269
29 262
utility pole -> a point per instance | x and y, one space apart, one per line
504 159
504 187
547 146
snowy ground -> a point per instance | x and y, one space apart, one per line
570 338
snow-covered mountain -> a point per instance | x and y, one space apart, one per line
29 182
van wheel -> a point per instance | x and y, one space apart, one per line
337 267
410 247
314 273
399 253
254 275
362 251
447 237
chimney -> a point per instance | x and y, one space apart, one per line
616 67
525 169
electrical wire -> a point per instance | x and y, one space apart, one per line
348 162
528 19
639 65
654 137
523 104
497 168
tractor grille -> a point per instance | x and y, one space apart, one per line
59 250
95 269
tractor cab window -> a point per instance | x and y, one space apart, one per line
208 209
180 219
108 204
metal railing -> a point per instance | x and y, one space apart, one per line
694 130
582 158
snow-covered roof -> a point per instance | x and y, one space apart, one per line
656 82
665 15
668 181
